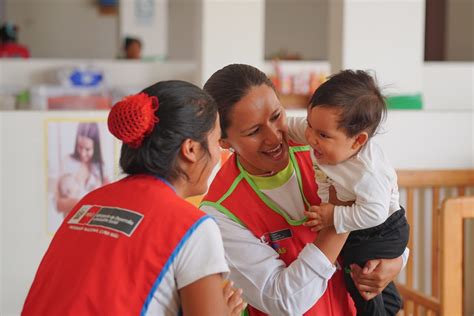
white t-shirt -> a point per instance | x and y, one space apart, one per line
202 255
255 267
367 178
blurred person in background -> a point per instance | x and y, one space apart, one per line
9 48
132 48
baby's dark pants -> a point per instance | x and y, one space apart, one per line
385 241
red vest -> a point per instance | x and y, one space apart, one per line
288 239
112 250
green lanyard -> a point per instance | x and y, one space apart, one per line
269 202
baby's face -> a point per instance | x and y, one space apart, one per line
331 145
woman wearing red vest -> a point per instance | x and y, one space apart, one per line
135 246
258 198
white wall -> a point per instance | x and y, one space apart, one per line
383 35
182 39
226 38
297 27
64 28
448 85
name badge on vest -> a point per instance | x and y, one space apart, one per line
280 235
277 236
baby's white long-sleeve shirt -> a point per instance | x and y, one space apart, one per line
366 178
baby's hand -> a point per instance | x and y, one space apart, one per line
320 216
233 298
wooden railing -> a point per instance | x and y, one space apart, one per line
416 302
453 214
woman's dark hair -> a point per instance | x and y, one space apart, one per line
185 112
130 40
229 85
356 94
90 130
8 32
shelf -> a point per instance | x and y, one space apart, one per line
294 101
108 9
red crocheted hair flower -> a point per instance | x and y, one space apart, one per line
133 118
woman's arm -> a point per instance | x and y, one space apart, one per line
330 243
65 204
296 129
211 295
267 283
66 188
204 297
198 269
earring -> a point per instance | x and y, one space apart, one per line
231 150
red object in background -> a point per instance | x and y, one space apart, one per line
70 102
13 50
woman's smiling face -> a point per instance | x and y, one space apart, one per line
258 132
85 148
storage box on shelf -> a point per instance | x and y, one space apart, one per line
294 101
296 81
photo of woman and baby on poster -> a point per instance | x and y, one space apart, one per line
80 158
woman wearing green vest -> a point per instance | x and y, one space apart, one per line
258 198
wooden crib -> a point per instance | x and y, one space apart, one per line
445 297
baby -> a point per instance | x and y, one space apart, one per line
68 186
343 115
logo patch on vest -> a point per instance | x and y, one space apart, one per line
280 235
91 217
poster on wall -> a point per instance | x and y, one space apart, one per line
144 12
80 158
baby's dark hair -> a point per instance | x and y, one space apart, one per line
130 40
357 95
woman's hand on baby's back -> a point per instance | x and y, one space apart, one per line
372 279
